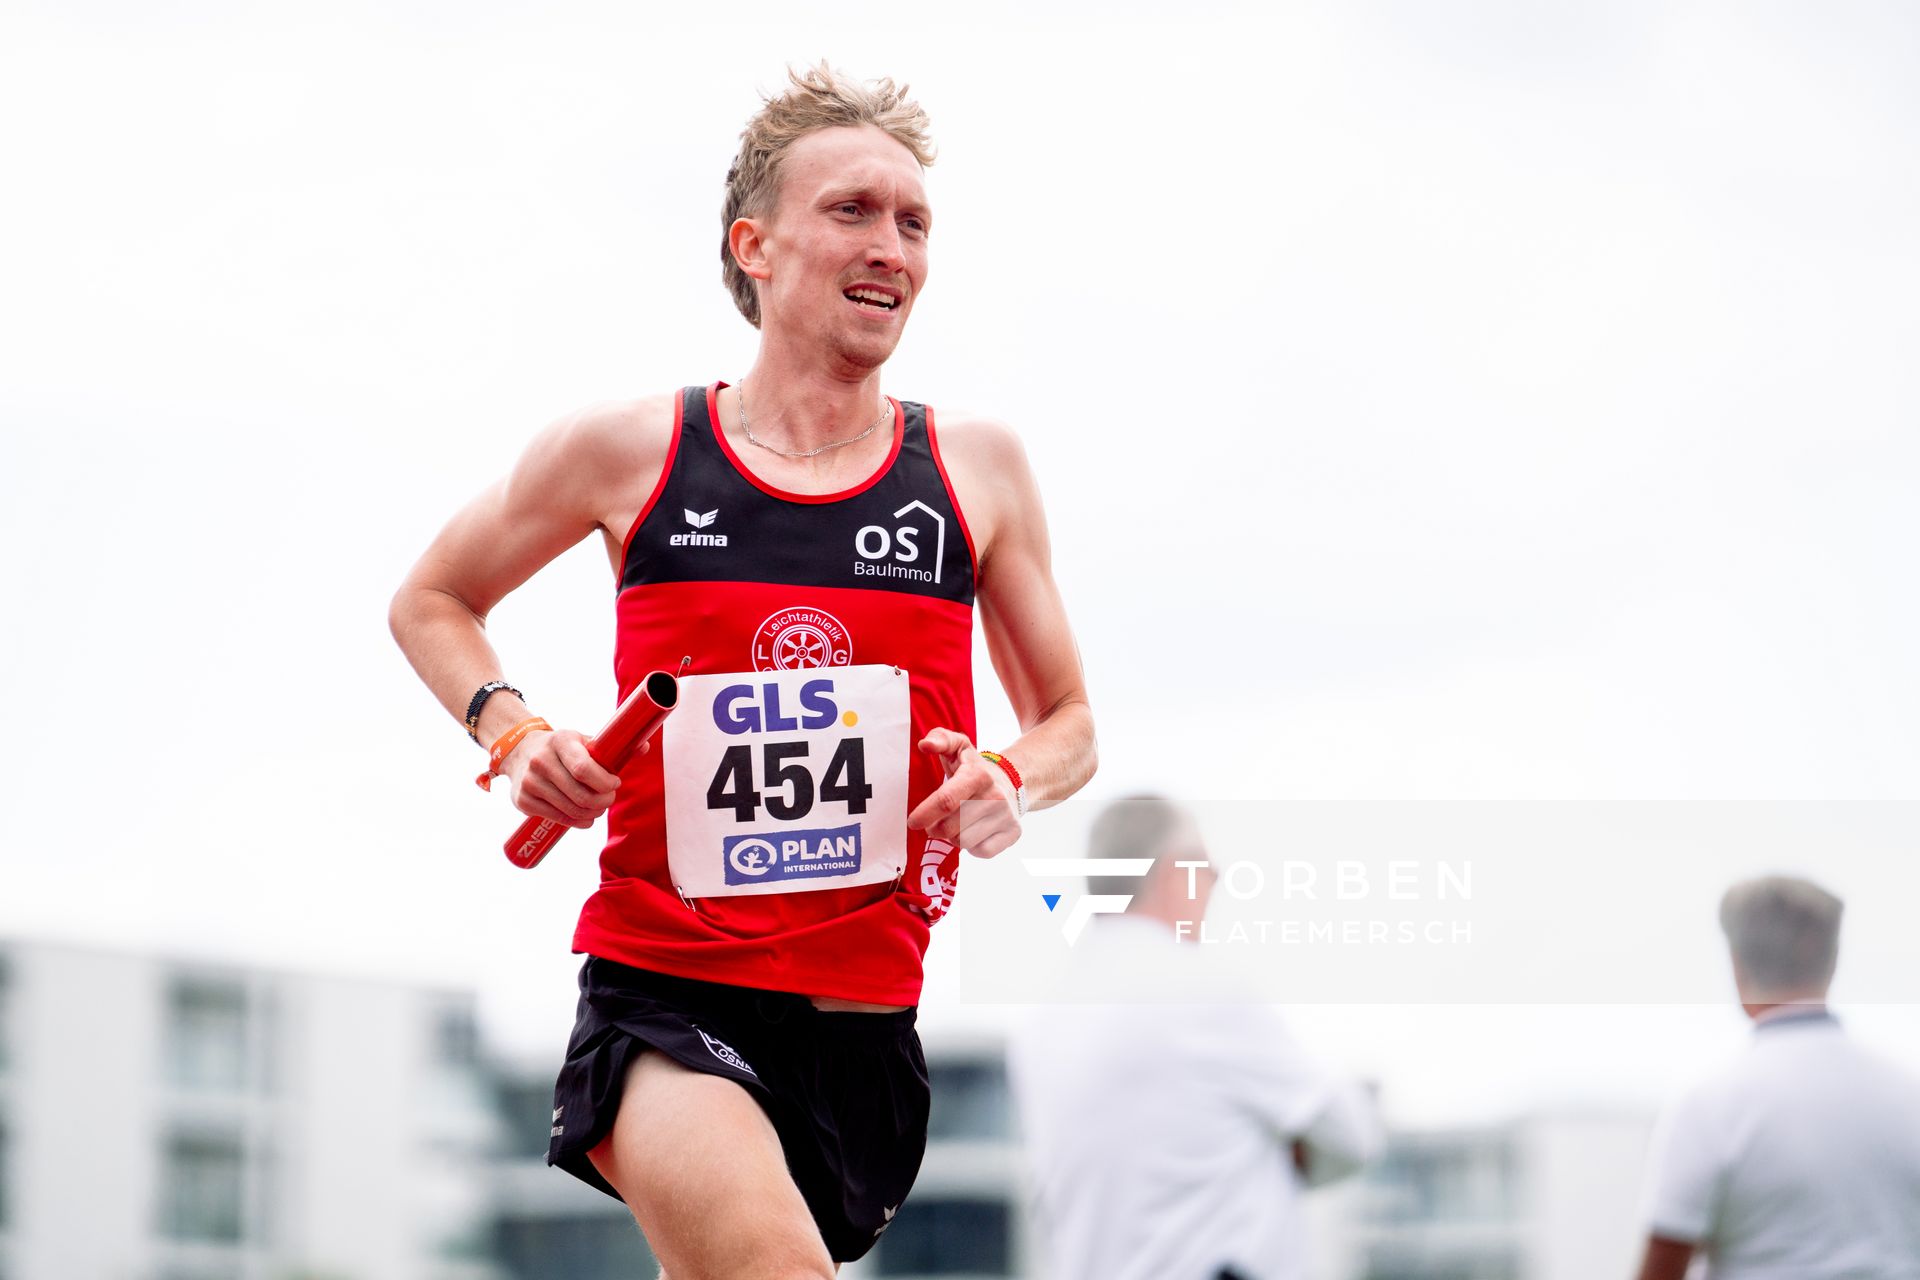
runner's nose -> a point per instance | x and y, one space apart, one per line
885 251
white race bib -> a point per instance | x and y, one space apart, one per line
787 781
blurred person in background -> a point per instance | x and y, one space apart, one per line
1802 1158
1173 1141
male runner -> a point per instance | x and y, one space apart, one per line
744 1072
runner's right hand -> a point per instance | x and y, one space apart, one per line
553 777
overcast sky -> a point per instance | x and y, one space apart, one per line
1447 403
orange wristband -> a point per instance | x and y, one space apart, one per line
503 747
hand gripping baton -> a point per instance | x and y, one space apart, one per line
636 720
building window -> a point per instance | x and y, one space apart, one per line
207 1035
1464 1182
969 1100
203 1188
456 1037
6 988
947 1236
526 1115
602 1247
1423 1264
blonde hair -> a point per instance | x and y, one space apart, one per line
820 98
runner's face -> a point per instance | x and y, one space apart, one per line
851 216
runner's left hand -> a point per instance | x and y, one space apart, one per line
975 807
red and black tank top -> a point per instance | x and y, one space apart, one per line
829 633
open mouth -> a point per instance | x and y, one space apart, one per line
871 298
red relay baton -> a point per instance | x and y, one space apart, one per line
636 720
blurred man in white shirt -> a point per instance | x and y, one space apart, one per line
1801 1160
1173 1141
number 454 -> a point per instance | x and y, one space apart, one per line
790 787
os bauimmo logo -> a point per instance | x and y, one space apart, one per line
902 551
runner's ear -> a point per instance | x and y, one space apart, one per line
749 249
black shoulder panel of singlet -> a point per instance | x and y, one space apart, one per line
710 523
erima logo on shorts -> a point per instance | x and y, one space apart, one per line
1093 904
699 520
792 855
724 1051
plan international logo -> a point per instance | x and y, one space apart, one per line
1092 904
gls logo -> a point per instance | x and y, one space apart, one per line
738 708
1093 904
900 547
699 520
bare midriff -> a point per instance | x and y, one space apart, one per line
830 1005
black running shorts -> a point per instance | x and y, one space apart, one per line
846 1092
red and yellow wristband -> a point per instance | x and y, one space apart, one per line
1019 787
503 747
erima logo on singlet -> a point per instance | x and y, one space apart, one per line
699 520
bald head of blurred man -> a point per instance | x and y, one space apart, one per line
1151 826
1784 935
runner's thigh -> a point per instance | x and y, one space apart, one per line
699 1164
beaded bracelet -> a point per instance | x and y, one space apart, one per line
1019 787
479 700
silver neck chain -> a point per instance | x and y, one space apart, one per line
885 413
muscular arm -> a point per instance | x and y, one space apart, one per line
1028 639
577 475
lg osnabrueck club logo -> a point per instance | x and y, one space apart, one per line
1089 905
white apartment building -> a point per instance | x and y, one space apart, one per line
172 1120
